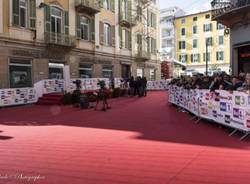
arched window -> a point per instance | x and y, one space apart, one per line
107 34
107 4
84 23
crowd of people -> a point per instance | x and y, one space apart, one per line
135 86
219 81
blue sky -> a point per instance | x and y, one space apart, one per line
189 6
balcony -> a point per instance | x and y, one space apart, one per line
59 39
142 55
127 20
87 6
231 12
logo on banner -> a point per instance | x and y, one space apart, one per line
239 100
225 107
227 119
238 113
214 113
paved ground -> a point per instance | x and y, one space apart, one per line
139 141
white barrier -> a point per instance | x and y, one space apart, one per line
227 108
157 85
17 96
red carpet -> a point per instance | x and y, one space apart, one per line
139 141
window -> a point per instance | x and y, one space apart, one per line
127 39
207 16
220 26
195 43
166 32
167 43
84 25
56 20
85 71
107 4
20 13
56 70
207 27
220 56
152 74
183 21
221 40
182 45
107 34
195 19
208 57
194 29
20 73
152 45
107 71
183 31
139 72
209 41
139 13
183 58
195 58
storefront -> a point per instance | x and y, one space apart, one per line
244 59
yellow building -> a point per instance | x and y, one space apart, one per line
193 33
51 39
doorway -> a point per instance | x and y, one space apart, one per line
126 71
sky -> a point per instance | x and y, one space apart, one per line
189 6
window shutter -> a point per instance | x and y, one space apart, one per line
192 58
78 26
180 45
204 57
186 57
32 14
148 18
66 23
204 28
130 10
15 10
154 20
47 19
92 29
129 40
101 27
121 37
112 5
198 58
180 58
113 36
211 26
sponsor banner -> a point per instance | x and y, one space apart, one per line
157 85
17 96
53 86
224 107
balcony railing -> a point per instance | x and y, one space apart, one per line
59 39
88 6
127 20
221 7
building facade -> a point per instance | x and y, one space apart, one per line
200 40
235 14
50 39
167 40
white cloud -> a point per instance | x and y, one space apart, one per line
199 8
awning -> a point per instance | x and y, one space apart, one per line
178 62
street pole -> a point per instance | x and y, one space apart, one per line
206 57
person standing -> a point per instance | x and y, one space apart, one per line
131 86
144 86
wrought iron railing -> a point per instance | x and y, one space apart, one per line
60 39
220 7
142 53
93 4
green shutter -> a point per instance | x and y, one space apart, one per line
47 19
101 33
66 23
92 29
78 26
15 10
113 5
32 14
129 40
148 18
121 37
130 10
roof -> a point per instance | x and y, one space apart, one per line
188 15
